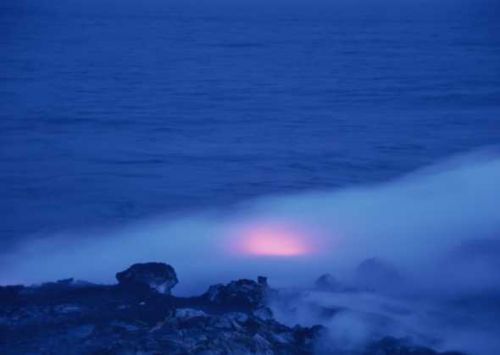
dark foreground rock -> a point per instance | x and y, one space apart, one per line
132 317
156 276
245 295
69 317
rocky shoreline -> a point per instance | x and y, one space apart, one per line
139 315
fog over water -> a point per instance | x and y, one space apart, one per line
431 225
241 138
430 243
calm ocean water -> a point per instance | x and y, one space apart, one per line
115 111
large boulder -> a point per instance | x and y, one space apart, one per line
156 276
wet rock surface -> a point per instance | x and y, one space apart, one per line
133 318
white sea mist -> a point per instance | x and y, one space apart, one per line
436 232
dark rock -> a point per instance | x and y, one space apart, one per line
58 318
55 317
157 276
10 294
245 295
264 313
262 280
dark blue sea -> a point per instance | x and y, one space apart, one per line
114 111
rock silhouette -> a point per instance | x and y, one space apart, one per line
140 316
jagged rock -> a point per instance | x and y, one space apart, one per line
91 318
157 276
100 319
242 294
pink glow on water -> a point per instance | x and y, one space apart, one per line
272 240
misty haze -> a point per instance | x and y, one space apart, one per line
249 177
